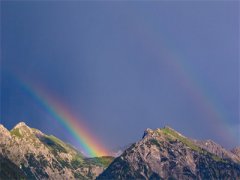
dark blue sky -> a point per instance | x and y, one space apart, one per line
124 67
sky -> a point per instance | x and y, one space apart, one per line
122 67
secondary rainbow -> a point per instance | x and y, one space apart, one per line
90 144
196 87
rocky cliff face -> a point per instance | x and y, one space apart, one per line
167 154
27 153
218 150
236 151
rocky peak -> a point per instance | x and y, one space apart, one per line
40 156
2 128
170 130
147 132
21 129
3 131
164 153
21 125
168 127
163 132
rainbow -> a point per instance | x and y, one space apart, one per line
197 89
199 92
89 143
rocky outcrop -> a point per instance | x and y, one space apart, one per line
167 154
217 150
236 151
9 170
27 153
35 155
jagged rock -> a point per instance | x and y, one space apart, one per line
167 154
147 132
217 149
236 151
20 125
9 170
27 153
35 155
119 150
4 133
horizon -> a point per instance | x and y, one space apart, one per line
123 145
97 74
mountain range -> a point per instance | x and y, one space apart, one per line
27 153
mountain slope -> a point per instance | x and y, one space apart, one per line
167 154
236 151
217 150
9 170
28 153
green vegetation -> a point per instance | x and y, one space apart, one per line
77 161
103 161
64 163
66 148
55 144
16 132
53 138
189 143
155 142
184 140
216 158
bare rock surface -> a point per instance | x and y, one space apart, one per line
236 151
167 154
35 155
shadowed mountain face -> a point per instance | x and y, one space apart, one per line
166 154
27 153
9 170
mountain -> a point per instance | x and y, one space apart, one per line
218 150
167 154
236 151
9 170
27 153
119 150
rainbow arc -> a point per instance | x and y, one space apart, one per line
77 129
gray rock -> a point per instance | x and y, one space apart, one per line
167 154
35 155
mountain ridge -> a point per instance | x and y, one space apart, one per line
163 153
36 155
167 154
